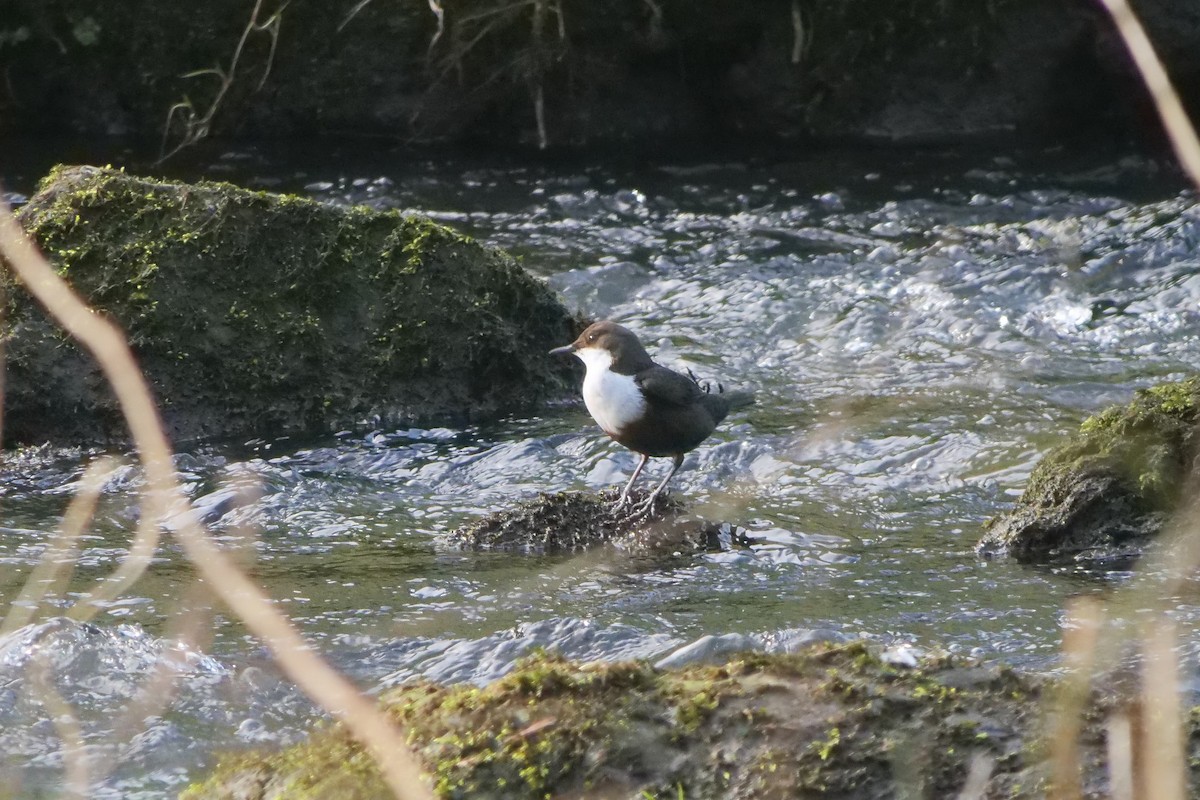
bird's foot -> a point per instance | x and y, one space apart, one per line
628 510
636 508
646 507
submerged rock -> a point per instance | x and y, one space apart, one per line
271 314
830 721
574 521
1107 492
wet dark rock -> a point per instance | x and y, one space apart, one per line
261 314
830 721
1107 492
654 73
573 521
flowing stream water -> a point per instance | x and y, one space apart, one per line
918 332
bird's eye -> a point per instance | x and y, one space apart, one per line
592 337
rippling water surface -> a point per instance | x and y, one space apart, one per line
918 332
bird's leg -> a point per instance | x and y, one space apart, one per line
648 505
624 498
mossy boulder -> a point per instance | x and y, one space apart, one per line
567 522
264 314
1108 491
831 721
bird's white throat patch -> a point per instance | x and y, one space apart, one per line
614 400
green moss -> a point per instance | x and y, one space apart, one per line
1147 442
824 749
264 313
756 726
1111 486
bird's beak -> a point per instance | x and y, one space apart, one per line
565 350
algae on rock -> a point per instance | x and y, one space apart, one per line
832 721
1107 492
566 522
254 313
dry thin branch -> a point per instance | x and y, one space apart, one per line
505 10
3 361
57 564
1119 745
1158 769
656 18
978 775
127 573
359 6
191 631
1164 772
198 127
439 11
66 724
539 115
1085 620
798 34
163 496
1166 99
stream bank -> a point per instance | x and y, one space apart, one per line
649 76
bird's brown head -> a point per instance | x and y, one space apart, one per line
619 342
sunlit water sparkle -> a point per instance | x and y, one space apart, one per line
916 339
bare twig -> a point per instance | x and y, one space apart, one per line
1085 620
535 70
271 26
57 564
1163 761
440 12
1179 128
359 6
3 361
539 114
164 497
507 9
1119 744
131 568
656 18
196 127
191 630
978 775
66 725
1156 769
798 42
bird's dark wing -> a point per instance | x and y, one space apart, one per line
661 385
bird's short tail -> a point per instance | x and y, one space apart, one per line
719 404
738 398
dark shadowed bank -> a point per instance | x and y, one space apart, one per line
260 314
581 73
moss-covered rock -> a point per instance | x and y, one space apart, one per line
265 314
1110 489
833 721
566 522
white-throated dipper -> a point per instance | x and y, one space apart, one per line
650 409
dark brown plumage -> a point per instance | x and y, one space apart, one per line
645 406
